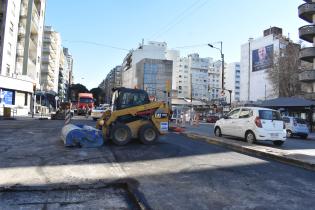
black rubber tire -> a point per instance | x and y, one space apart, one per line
145 132
278 143
217 132
289 134
304 136
117 135
250 137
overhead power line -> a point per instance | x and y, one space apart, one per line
188 11
96 44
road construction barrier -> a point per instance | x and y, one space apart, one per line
67 117
81 135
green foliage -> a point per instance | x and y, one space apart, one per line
98 95
75 89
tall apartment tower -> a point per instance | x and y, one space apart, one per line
69 60
233 81
50 59
307 33
21 30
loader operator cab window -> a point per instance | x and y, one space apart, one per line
130 98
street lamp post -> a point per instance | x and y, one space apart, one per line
222 60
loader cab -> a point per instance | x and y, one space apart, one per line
124 98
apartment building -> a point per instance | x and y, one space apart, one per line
112 80
50 60
69 60
153 50
154 75
20 51
215 80
257 57
63 78
233 81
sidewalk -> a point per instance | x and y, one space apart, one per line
298 152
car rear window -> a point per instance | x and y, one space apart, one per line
300 121
269 115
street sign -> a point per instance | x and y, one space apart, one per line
56 98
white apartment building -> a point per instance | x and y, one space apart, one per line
233 81
215 80
63 81
153 50
256 58
192 79
69 60
50 60
21 30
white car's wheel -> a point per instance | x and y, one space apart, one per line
250 137
217 132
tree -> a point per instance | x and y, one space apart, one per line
284 74
98 95
75 89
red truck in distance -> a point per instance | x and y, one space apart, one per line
85 99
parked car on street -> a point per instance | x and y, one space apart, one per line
97 112
212 119
296 127
253 124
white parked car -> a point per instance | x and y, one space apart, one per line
97 112
253 124
296 127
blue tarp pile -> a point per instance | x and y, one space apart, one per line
81 135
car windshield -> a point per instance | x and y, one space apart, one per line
269 115
86 100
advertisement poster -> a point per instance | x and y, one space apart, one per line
262 58
7 97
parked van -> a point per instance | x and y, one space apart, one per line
253 124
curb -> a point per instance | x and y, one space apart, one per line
255 150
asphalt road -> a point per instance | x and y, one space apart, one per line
176 173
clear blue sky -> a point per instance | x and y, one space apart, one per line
123 24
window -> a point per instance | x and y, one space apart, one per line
286 119
233 114
180 87
269 115
246 113
8 70
11 27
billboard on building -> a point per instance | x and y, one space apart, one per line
7 97
262 58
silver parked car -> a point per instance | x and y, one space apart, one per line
296 127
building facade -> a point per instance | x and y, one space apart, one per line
112 80
215 78
153 50
21 34
69 60
307 33
50 60
257 57
154 75
233 81
63 79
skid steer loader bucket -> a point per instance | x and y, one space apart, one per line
81 135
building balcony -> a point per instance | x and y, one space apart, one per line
21 30
307 54
307 33
307 76
306 11
23 12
